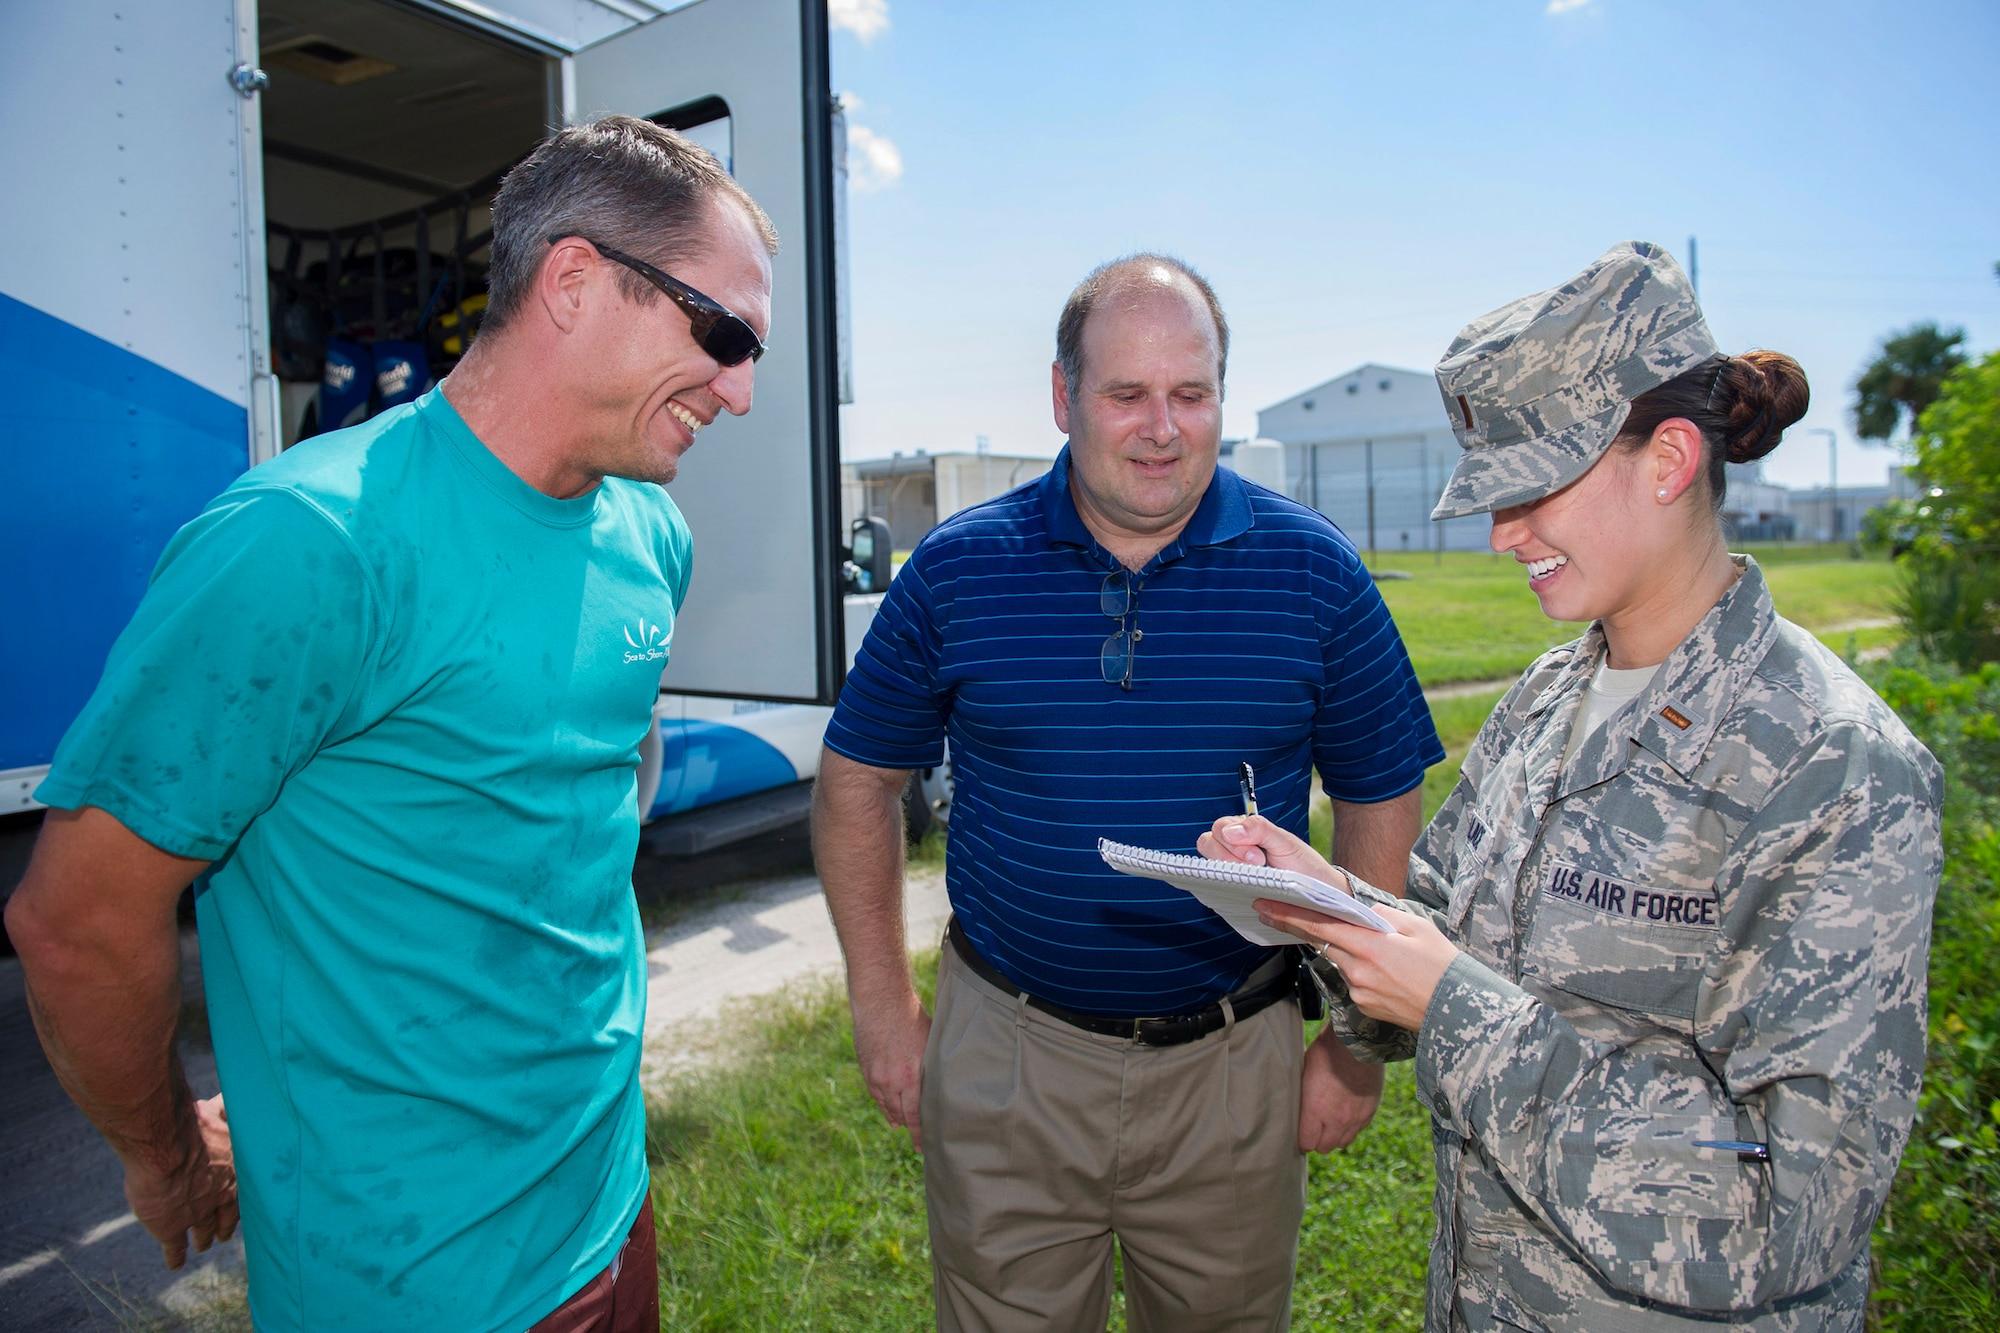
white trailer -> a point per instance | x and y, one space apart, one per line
179 174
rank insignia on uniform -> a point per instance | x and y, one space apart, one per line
1676 716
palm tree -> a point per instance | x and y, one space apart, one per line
1904 377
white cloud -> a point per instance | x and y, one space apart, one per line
863 18
873 163
851 102
1555 6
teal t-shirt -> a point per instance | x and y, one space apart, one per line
396 695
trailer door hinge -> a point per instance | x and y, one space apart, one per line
248 80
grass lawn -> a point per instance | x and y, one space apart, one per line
786 1203
1472 617
1458 721
1838 592
784 1200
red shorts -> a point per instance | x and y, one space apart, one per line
625 1297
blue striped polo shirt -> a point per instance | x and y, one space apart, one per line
1264 639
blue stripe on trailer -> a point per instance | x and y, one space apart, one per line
716 762
103 455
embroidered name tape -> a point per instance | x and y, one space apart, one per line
1633 902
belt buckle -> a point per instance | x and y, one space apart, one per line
1170 1036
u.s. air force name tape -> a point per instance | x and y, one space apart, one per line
1634 902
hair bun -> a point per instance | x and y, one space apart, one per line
1768 394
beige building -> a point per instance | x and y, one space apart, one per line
913 493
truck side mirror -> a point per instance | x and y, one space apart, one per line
869 550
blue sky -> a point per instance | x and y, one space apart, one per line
1359 181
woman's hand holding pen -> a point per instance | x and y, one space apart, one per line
1389 977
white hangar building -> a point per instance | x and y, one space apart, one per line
1371 450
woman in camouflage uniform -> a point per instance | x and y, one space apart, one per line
1663 965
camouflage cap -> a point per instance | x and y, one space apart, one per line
1537 390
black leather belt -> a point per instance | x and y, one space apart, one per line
1172 1030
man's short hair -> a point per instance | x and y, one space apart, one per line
1105 277
620 181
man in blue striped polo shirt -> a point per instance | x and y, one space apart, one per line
1102 648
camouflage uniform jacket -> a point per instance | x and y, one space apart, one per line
1714 924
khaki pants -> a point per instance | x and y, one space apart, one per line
1042 1142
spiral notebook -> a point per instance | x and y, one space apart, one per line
1228 888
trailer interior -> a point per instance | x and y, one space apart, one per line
385 133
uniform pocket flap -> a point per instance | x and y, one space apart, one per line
1621 943
1644 1164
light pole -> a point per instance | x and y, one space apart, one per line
1833 523
1368 446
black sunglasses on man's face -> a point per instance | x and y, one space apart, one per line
722 334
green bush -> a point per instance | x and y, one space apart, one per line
1946 599
1949 598
1937 1245
1958 456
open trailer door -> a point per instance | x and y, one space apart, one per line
748 79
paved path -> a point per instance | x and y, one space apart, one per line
1463 688
761 939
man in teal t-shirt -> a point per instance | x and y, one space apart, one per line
385 695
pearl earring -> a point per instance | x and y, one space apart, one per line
1662 492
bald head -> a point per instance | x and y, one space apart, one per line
1136 278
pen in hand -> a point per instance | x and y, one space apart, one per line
1246 779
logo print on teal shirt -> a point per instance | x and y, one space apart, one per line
651 645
